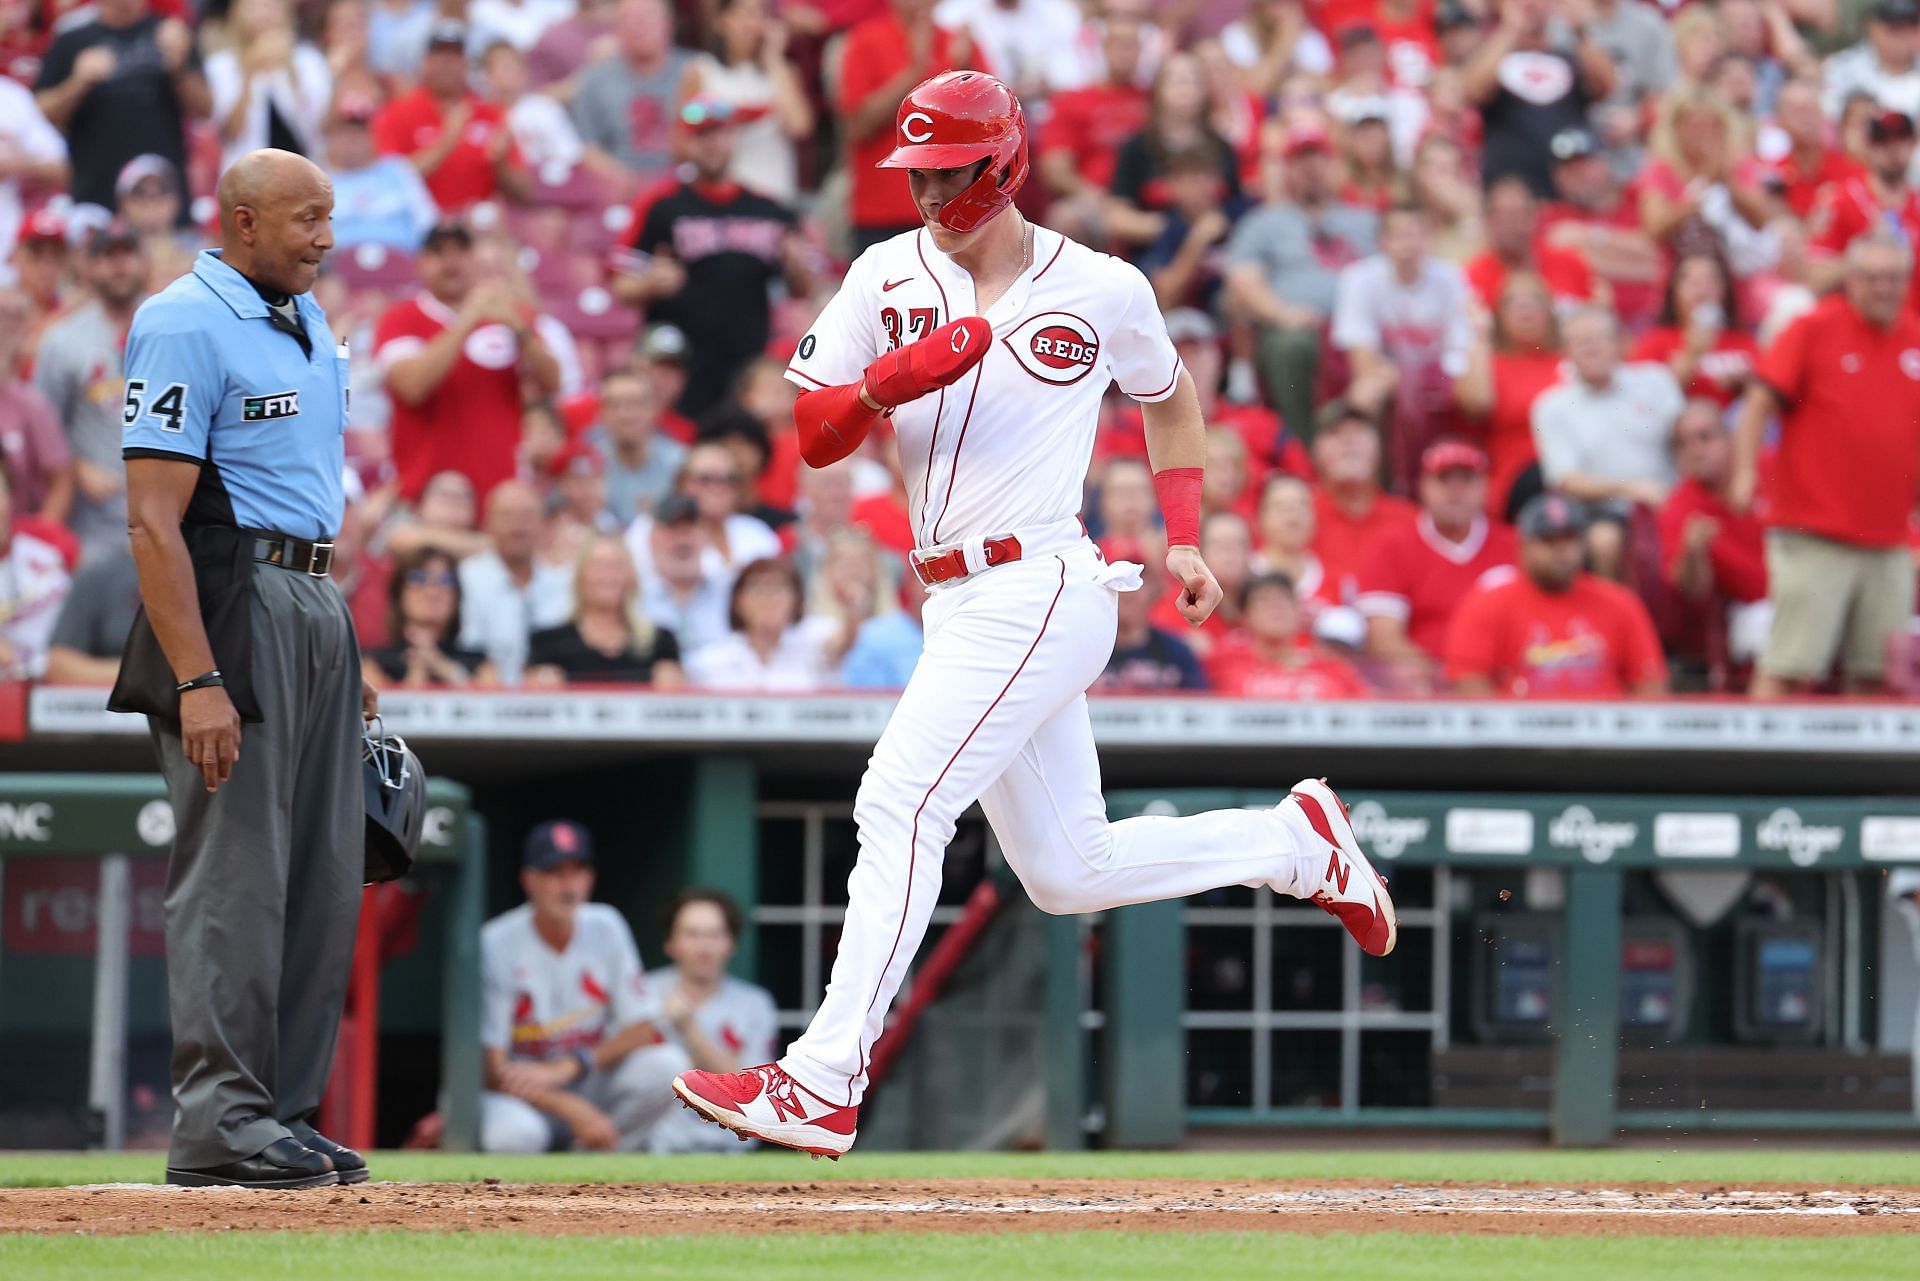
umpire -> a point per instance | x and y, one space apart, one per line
236 405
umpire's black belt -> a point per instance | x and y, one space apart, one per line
295 554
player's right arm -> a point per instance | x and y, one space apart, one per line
849 377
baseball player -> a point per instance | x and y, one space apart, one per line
991 342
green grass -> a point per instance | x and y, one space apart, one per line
1051 1257
1762 1164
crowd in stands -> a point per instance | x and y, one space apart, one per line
1547 347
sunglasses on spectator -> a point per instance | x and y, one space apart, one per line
430 577
712 478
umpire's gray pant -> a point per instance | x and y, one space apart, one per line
263 889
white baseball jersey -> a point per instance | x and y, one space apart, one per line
1007 446
536 1003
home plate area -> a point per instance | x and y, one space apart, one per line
969 1205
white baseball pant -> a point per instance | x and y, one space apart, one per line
997 711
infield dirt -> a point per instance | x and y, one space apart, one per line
972 1205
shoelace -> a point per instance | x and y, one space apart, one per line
778 1086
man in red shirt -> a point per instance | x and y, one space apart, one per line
1850 208
454 357
456 139
1598 217
1419 573
1352 514
1083 134
1810 163
1273 656
1514 244
1715 558
882 59
1553 630
1844 380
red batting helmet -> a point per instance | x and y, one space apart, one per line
954 120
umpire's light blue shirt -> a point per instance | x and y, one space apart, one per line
211 380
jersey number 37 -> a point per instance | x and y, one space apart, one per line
920 323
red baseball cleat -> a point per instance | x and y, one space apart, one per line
1349 887
765 1103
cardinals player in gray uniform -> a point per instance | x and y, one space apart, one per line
990 343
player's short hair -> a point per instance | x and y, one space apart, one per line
729 910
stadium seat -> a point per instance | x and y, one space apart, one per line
374 267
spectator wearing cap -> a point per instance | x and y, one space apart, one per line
457 140
1419 573
455 357
1844 379
514 594
121 85
683 588
1180 120
38 464
641 462
1699 337
609 639
570 1028
1515 357
1531 79
377 200
1882 196
1146 659
78 369
1553 630
1602 433
722 1022
661 354
1351 511
33 585
748 69
714 249
579 474
424 613
38 264
35 159
270 88
880 60
1077 151
1885 66
1593 214
1403 319
1274 655
1714 557
1514 244
772 646
1811 160
1283 265
150 199
624 103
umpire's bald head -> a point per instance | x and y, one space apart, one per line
276 219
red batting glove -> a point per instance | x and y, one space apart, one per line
936 361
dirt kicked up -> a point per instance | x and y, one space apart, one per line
969 1206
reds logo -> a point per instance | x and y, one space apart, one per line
1056 347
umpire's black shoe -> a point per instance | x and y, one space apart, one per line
351 1166
284 1163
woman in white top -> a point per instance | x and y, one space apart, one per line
771 648
269 89
748 69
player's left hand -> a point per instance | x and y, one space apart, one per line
1199 592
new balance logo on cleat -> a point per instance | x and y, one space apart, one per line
1360 903
765 1103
